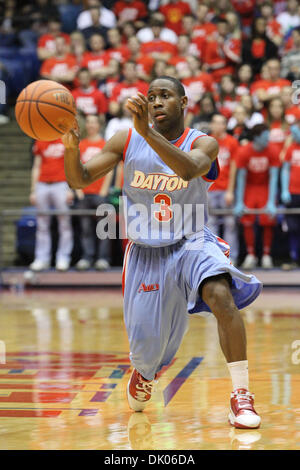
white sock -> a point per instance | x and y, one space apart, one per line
239 374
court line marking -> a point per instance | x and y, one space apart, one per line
180 378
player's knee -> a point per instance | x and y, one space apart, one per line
217 295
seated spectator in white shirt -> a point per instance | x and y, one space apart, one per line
107 17
157 20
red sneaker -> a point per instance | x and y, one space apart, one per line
242 413
139 391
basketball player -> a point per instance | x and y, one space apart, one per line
166 165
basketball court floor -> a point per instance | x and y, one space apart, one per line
65 367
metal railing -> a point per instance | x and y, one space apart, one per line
8 213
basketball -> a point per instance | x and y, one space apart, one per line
45 110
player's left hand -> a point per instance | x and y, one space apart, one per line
138 106
271 209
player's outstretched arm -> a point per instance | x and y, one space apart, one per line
80 175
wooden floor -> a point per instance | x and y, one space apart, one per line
63 382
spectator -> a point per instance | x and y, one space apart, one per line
227 99
292 110
244 79
62 67
238 126
158 69
97 59
223 53
188 24
196 84
112 80
144 62
122 121
116 49
133 11
290 64
258 48
257 178
221 193
95 27
271 87
46 46
203 29
128 87
88 99
180 59
245 10
278 126
290 194
273 31
128 31
207 106
173 12
77 47
290 18
94 250
158 49
157 29
107 17
253 116
49 190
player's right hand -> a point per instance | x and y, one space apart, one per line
71 138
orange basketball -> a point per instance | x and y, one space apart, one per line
45 110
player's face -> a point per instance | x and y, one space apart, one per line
165 105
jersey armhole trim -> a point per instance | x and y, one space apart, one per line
127 143
217 161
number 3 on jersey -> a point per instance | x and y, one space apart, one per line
165 213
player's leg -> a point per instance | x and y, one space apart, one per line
59 197
267 223
214 285
42 255
155 318
293 224
103 247
216 293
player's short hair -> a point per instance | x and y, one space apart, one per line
177 84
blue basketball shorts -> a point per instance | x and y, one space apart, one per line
161 289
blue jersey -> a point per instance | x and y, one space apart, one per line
161 208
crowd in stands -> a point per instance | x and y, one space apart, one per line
239 62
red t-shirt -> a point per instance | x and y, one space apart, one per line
47 41
158 46
90 101
94 61
271 87
173 13
293 157
257 163
52 160
58 67
130 11
124 90
203 30
227 150
144 64
121 54
278 135
196 86
88 149
219 59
